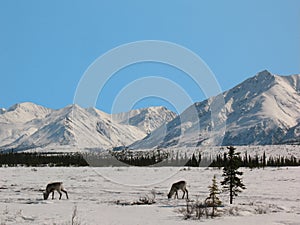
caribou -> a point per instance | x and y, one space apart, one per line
55 186
181 185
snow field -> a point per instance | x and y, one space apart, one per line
272 196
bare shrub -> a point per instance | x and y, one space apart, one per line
260 210
233 211
147 199
194 210
201 210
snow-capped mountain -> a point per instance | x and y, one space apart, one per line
264 109
27 126
147 119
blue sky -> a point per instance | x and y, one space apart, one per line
46 46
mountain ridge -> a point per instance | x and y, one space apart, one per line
27 125
259 111
262 110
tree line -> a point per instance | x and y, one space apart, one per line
42 159
257 161
141 158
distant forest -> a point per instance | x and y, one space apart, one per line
42 159
139 158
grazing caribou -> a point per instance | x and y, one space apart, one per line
55 186
181 185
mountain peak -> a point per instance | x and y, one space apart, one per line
23 112
73 107
265 73
161 108
23 106
264 76
146 119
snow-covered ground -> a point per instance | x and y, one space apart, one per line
272 196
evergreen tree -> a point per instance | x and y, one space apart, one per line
213 199
232 182
264 160
245 161
199 159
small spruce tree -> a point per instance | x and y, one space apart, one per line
232 182
213 199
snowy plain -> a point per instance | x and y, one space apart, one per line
272 196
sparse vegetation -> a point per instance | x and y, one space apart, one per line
147 199
197 209
20 191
